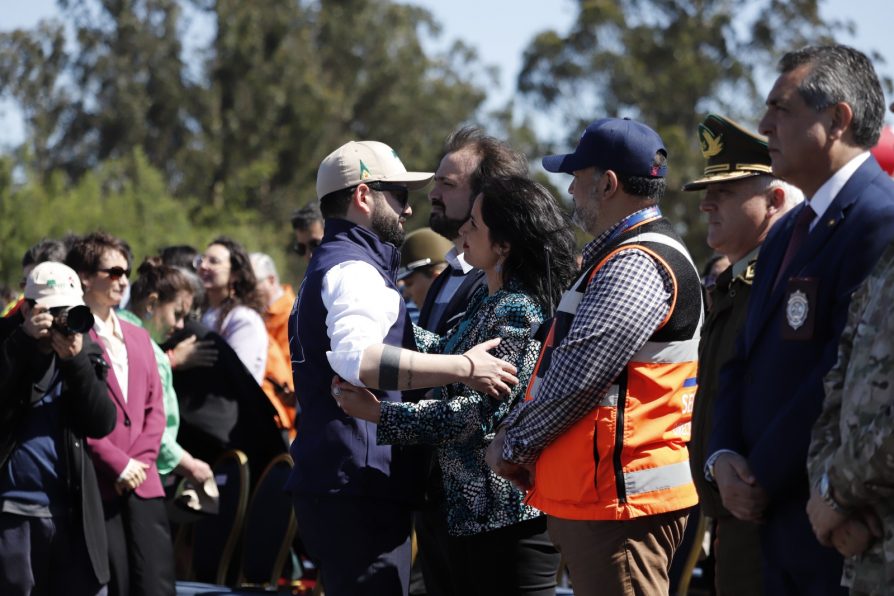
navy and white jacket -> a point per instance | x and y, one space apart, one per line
336 454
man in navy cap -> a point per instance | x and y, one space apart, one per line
601 438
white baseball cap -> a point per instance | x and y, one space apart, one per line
363 162
53 284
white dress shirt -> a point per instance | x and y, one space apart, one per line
361 308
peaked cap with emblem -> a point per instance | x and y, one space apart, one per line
732 152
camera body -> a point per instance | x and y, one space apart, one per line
72 319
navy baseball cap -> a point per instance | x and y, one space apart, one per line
619 144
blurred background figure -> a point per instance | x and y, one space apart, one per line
180 255
279 298
307 224
160 299
422 259
47 249
234 303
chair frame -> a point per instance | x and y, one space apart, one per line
292 527
226 555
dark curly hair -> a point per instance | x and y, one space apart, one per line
154 276
524 215
243 283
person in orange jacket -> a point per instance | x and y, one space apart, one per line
277 383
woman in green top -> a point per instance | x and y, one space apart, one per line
160 299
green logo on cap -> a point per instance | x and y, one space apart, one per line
364 171
51 283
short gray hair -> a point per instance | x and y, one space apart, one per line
263 265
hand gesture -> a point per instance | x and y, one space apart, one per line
133 476
38 321
823 518
66 346
196 470
191 353
851 538
739 490
358 402
521 475
488 374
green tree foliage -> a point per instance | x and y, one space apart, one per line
233 125
667 63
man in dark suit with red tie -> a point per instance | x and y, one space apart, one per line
823 115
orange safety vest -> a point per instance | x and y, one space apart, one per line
627 457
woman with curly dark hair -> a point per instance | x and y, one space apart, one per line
518 235
233 304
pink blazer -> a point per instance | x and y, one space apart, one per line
141 419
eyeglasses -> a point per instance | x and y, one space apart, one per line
398 191
115 273
303 248
212 261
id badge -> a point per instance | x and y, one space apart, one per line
800 308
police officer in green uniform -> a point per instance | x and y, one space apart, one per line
741 200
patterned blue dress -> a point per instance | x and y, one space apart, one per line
461 422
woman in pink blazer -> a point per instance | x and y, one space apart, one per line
140 548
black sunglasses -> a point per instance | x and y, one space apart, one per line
399 191
116 272
302 249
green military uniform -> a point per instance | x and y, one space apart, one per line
737 551
732 153
853 439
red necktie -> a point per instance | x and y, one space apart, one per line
799 233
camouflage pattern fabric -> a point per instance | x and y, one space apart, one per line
853 439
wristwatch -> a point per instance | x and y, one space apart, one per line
709 467
824 488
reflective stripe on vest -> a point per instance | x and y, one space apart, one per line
594 472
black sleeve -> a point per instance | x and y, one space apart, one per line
90 409
18 352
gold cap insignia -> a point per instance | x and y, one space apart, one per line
711 145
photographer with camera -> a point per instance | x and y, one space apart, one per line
52 396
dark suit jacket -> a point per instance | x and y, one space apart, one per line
141 418
458 303
771 393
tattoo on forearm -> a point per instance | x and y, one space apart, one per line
389 368
410 372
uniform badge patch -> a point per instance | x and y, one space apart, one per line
797 309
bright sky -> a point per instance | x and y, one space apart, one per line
500 30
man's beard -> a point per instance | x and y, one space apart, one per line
446 227
386 228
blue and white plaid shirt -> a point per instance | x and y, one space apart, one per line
622 307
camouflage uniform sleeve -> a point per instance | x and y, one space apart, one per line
861 467
826 437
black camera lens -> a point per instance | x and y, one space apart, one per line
72 319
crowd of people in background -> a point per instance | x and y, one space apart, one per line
519 407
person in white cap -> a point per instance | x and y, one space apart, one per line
353 498
52 396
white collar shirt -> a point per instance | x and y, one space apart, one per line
112 338
826 193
